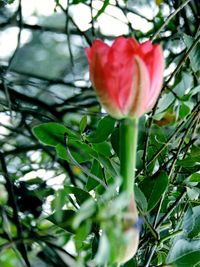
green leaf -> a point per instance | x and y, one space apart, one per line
63 219
81 234
103 252
184 82
157 140
105 4
165 102
52 133
195 54
153 188
96 169
103 149
188 162
184 253
104 129
140 199
192 159
115 141
193 193
195 227
80 151
131 263
184 111
59 202
78 193
111 167
83 124
86 211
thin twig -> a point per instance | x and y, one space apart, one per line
84 170
173 164
68 35
164 86
169 18
10 189
171 209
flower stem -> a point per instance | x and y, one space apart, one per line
128 150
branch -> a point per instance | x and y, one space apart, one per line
10 189
169 18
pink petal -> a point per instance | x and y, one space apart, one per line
98 59
140 89
155 64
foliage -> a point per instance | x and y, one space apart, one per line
59 157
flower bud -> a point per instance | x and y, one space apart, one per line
127 76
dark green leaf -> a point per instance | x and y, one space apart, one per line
115 141
96 170
63 219
140 199
83 124
104 129
86 211
153 188
195 54
184 111
78 193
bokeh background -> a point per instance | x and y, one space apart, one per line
44 78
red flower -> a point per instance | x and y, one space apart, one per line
127 76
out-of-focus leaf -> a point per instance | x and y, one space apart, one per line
103 252
158 2
153 188
131 263
104 129
85 212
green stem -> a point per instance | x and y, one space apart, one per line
128 150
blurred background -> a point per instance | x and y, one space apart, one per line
44 78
